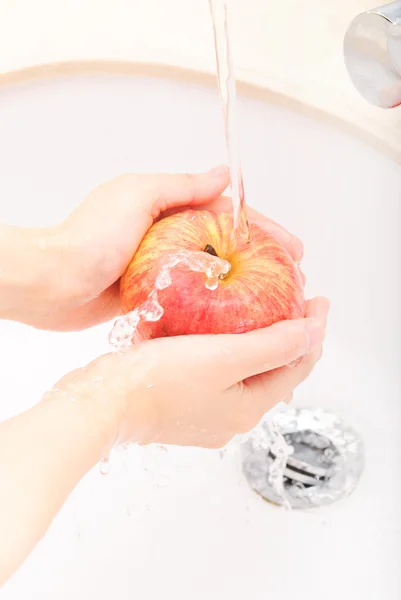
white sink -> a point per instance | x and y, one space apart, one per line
195 530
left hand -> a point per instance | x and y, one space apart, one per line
92 248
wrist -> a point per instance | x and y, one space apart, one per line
84 426
31 282
112 396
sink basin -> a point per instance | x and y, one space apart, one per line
184 523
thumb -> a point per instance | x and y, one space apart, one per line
166 192
122 210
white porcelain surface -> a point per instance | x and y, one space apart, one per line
290 50
195 530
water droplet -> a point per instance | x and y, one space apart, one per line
150 385
104 466
124 330
212 284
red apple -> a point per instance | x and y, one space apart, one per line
263 285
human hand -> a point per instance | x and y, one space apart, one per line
73 268
196 390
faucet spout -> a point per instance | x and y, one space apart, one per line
372 54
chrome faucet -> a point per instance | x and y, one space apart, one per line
372 53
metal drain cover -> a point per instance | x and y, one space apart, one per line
303 458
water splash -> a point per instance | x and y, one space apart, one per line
199 262
268 437
125 330
128 330
104 466
328 451
281 450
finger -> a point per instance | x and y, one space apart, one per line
224 204
290 242
260 394
232 358
318 308
122 210
166 192
149 195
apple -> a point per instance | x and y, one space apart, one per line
259 285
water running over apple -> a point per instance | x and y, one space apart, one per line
134 326
228 96
131 328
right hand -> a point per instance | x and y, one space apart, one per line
196 390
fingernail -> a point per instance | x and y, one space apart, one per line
314 331
219 172
295 363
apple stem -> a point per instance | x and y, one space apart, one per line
210 250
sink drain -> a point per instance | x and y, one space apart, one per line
304 458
